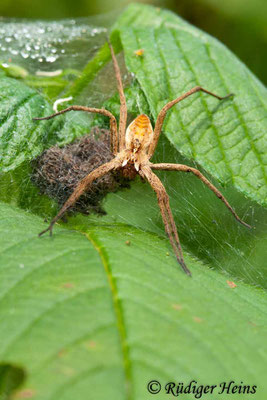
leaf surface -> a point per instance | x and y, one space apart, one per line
93 311
228 139
102 308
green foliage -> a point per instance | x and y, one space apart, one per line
102 307
20 137
240 24
218 136
89 316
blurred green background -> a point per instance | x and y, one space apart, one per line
240 24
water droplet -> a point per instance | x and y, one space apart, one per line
24 55
51 59
13 51
40 40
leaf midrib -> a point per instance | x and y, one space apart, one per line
118 313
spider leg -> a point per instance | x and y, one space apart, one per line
82 186
199 175
112 119
167 217
163 112
123 106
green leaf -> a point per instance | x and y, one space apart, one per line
19 135
102 308
227 139
94 312
21 138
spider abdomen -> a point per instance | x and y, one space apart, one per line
139 134
138 138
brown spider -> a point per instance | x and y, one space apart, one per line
132 149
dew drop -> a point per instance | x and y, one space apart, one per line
14 52
24 55
39 40
51 59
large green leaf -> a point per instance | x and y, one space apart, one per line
88 316
227 139
21 138
102 307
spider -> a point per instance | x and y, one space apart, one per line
132 149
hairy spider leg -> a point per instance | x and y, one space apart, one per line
82 186
123 105
112 122
162 113
199 175
167 217
139 150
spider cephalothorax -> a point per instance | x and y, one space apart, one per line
132 149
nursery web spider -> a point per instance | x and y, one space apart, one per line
132 149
